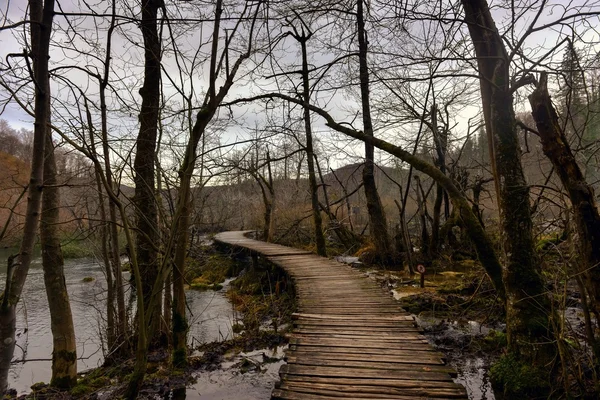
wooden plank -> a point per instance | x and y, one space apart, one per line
366 318
376 391
364 344
357 338
403 365
374 382
381 353
396 357
305 322
292 369
279 394
375 330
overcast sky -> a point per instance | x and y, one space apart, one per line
86 50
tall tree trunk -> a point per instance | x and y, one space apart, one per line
312 178
422 211
145 206
144 166
64 347
377 220
587 219
441 144
111 328
527 305
41 16
113 235
203 118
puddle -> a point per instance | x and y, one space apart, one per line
453 339
246 376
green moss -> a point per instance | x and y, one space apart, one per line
179 358
518 380
209 269
81 390
495 340
63 382
88 279
36 387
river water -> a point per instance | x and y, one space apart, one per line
210 313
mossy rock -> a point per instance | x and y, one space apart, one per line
81 390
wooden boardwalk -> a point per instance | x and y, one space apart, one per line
350 339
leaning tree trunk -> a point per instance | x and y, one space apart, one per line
41 16
377 220
587 219
64 346
527 304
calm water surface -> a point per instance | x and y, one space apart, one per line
211 317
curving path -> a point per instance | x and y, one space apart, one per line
350 339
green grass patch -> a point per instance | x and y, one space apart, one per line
77 249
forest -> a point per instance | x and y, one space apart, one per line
453 134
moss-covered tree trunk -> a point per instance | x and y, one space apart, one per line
585 210
64 346
377 219
527 303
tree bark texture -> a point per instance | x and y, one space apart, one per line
527 303
441 144
310 154
587 219
41 15
144 166
146 213
64 346
121 331
377 220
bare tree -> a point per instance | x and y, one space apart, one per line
41 15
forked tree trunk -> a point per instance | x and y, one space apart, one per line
41 16
64 346
527 305
585 210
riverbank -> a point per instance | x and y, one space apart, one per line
236 335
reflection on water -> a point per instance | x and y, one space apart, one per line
229 383
451 337
34 338
211 317
210 314
473 374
